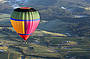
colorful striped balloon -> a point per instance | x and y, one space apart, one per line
25 20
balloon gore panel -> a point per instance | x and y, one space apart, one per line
25 21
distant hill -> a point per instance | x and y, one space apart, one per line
60 2
52 6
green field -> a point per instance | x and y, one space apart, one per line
44 45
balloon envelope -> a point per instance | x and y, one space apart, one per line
25 20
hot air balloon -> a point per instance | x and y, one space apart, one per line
25 20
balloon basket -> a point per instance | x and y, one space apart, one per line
25 43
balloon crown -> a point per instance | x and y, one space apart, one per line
25 9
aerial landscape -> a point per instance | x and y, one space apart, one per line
63 31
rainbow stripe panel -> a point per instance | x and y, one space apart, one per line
25 21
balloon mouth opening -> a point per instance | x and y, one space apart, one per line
25 7
25 39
